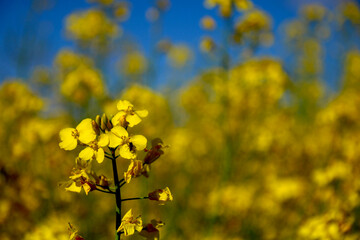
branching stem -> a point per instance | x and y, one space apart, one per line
137 198
117 194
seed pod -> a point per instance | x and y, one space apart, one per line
98 120
104 120
95 127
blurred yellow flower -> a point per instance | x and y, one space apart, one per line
313 12
121 11
74 233
129 224
207 44
81 84
226 6
90 25
133 64
179 55
208 23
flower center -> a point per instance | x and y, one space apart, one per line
75 133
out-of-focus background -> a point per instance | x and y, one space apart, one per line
258 100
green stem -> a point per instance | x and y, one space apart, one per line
122 184
97 189
117 195
136 198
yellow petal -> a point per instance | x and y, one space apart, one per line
100 155
126 153
123 105
127 215
86 131
119 131
116 119
84 124
87 188
87 153
68 145
103 140
129 229
68 141
133 119
73 188
114 140
142 113
139 142
138 226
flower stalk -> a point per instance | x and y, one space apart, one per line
117 194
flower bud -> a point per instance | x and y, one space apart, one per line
104 120
98 120
95 127
155 152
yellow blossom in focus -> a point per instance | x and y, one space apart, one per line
84 132
95 149
161 195
127 116
81 178
129 224
127 145
135 170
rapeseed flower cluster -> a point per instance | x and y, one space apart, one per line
109 138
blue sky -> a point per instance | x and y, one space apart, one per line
181 24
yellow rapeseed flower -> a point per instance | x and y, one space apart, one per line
128 145
127 115
179 55
84 132
161 195
95 149
133 63
150 231
89 25
208 23
129 224
207 44
135 170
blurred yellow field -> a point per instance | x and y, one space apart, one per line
251 146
